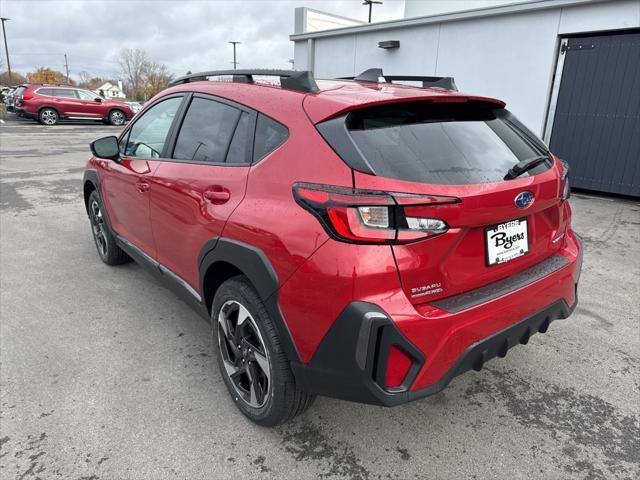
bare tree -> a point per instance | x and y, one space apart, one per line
134 65
84 79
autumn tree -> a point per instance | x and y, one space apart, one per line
16 79
47 75
157 78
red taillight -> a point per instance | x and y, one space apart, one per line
370 216
398 365
27 96
564 178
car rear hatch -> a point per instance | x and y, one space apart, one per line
485 199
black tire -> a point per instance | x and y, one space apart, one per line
117 117
48 116
283 399
108 250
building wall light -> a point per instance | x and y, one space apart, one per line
389 44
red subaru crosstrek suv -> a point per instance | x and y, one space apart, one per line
49 103
355 238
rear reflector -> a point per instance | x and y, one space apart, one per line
398 365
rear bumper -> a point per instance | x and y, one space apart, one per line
350 362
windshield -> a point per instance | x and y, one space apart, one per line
442 143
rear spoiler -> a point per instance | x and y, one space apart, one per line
375 74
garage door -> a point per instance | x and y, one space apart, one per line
596 122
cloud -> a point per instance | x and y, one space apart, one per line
184 35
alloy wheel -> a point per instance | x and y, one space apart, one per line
49 117
117 118
244 355
98 227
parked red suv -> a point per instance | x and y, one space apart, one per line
353 238
48 103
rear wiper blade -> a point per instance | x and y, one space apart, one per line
524 166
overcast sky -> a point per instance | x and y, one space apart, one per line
184 35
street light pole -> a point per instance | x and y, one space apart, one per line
234 43
6 48
66 67
370 3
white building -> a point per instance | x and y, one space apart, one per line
517 51
110 90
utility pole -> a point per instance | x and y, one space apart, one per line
370 3
66 67
6 48
235 63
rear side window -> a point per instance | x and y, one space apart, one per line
64 92
441 143
269 136
45 91
206 131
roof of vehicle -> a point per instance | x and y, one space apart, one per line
335 96
38 84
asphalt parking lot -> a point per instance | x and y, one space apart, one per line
105 374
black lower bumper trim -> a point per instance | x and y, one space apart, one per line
473 298
347 362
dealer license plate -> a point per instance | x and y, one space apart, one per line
506 241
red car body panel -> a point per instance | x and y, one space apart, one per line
455 261
174 216
191 203
125 192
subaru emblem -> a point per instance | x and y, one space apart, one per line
524 199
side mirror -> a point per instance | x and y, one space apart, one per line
106 147
97 99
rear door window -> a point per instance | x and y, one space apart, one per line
64 92
206 132
441 143
239 149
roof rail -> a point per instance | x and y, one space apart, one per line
299 80
47 84
374 75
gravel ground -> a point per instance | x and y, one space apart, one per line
105 374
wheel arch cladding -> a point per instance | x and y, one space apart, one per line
223 258
51 107
90 183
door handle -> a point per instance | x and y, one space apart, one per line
142 186
217 195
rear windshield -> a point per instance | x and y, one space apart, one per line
443 143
